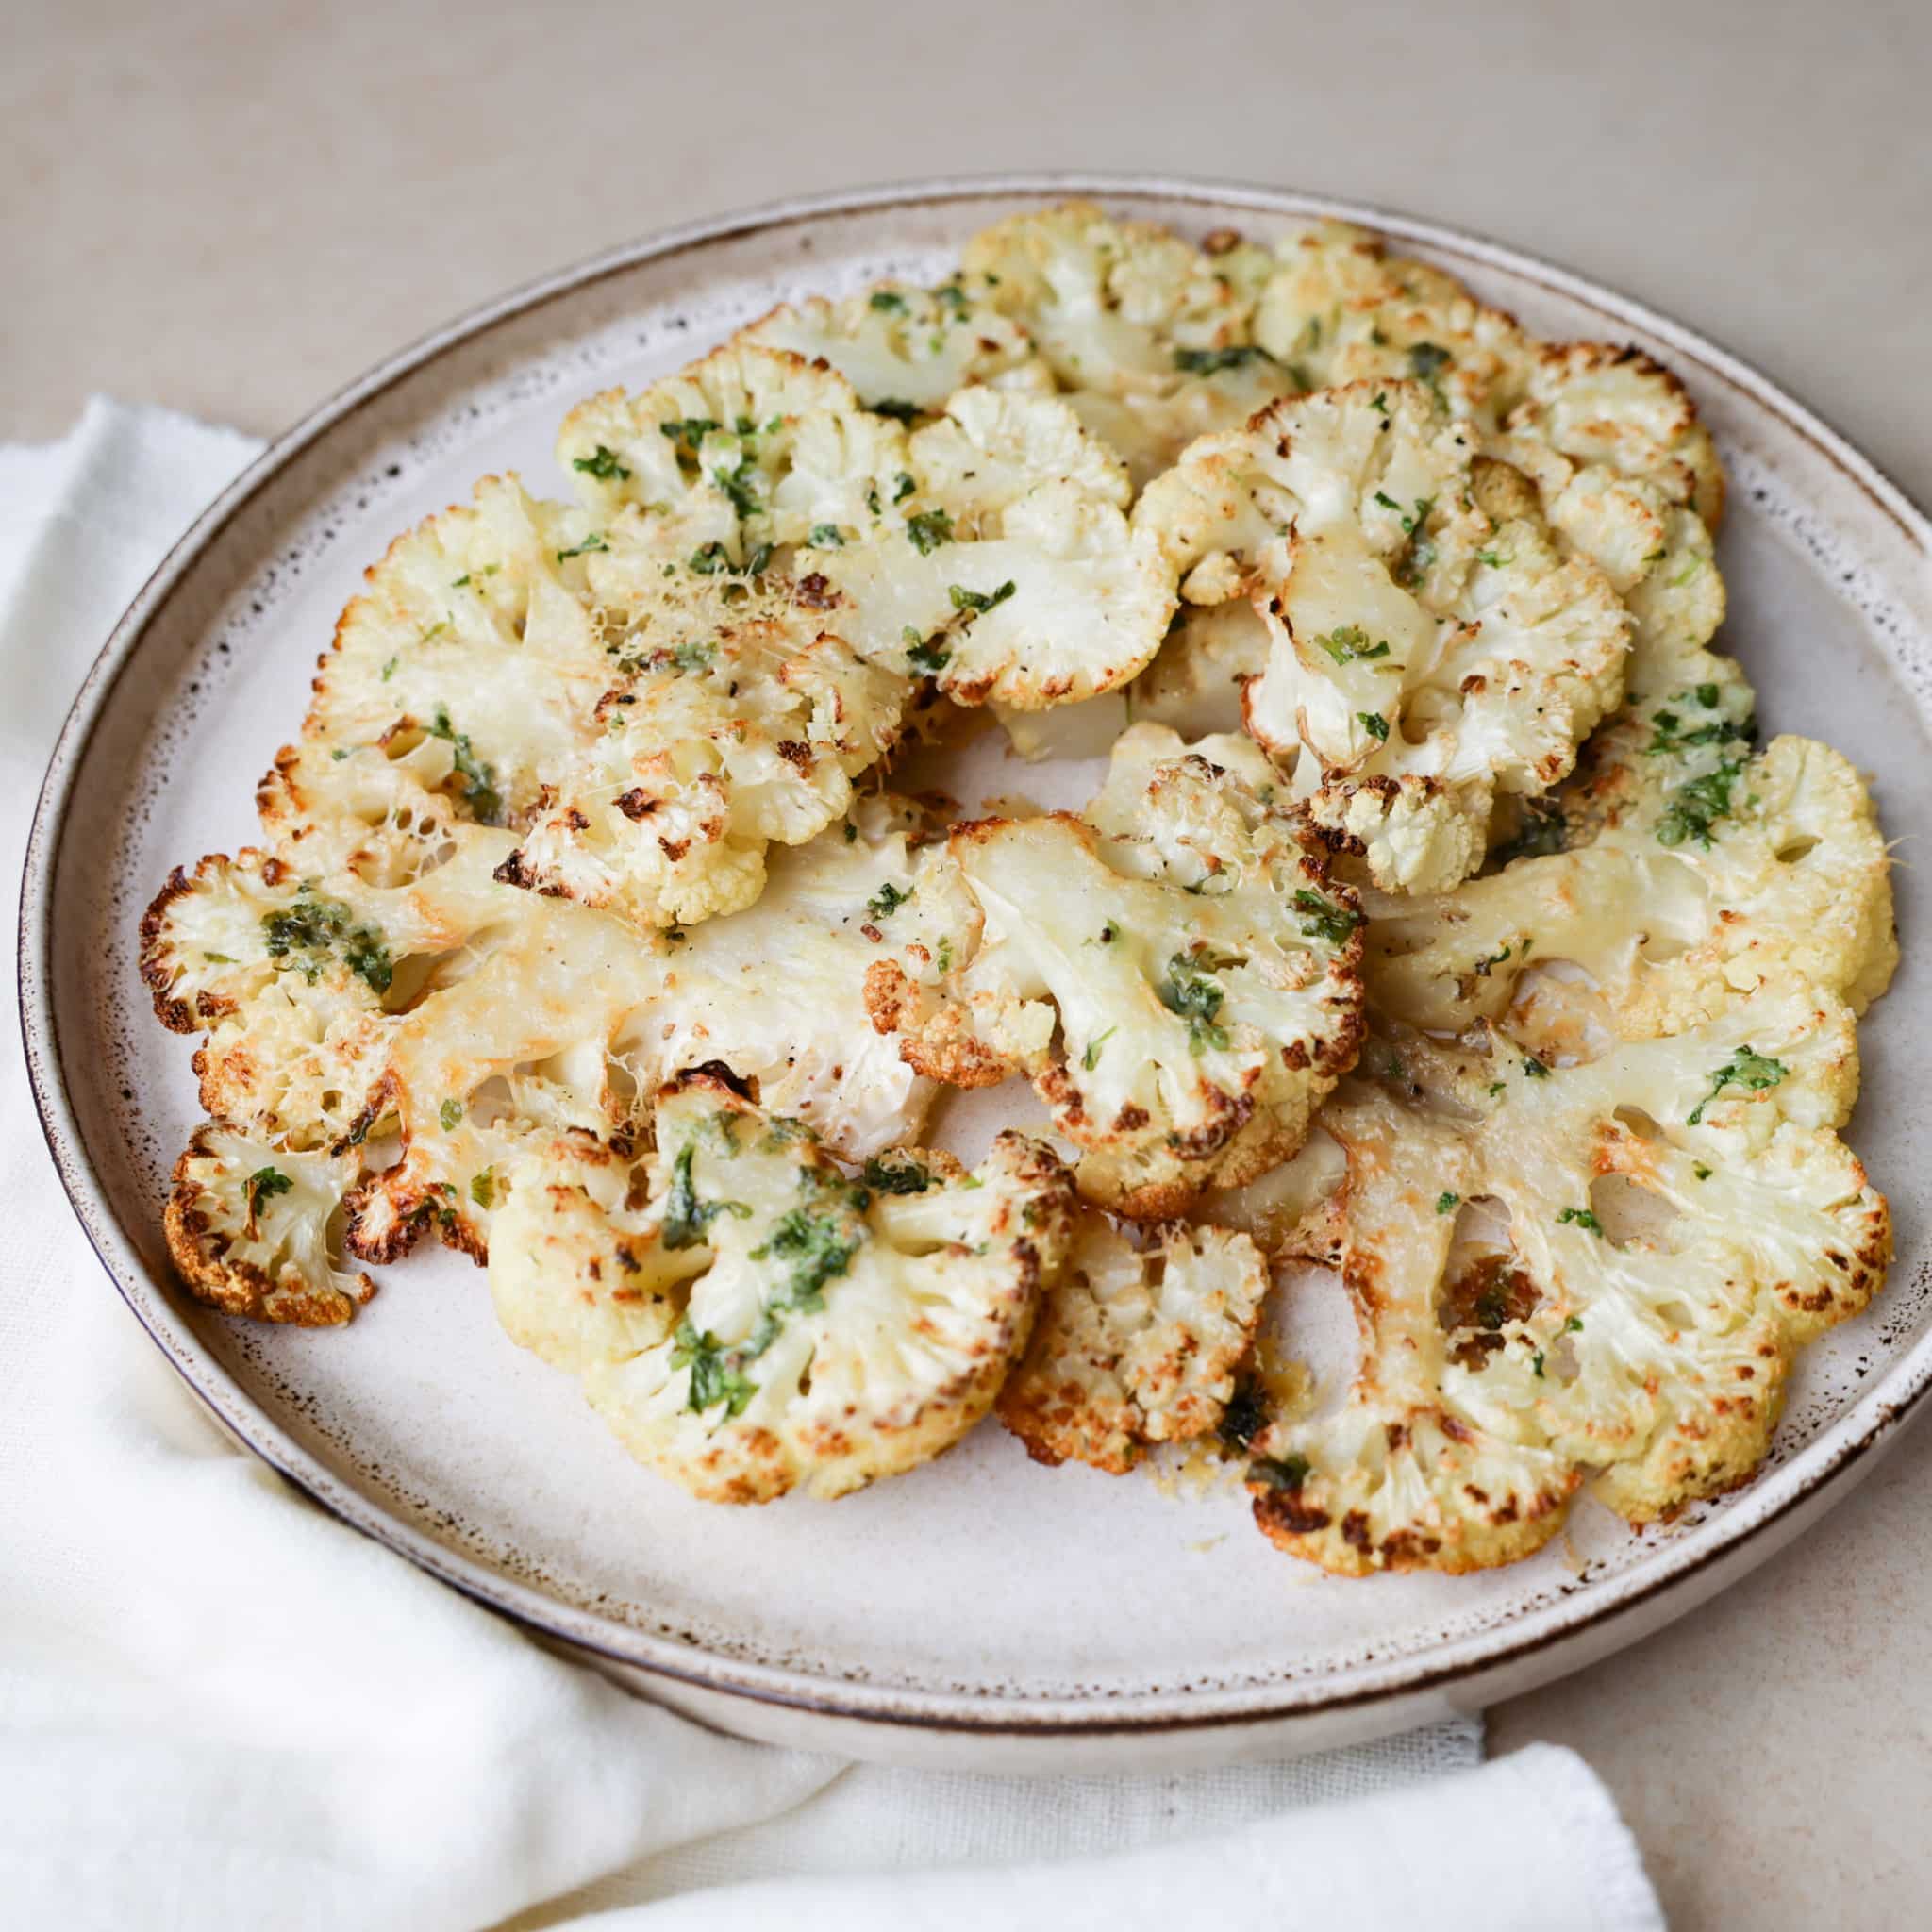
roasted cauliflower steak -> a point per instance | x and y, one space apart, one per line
1592 1272
768 1321
1175 971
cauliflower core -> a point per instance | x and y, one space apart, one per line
1430 643
767 1321
1175 971
1600 1272
1134 1344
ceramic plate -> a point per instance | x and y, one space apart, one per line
981 1611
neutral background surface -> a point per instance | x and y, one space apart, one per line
234 209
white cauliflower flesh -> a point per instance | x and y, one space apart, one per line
905 350
732 720
777 991
1136 1343
1341 309
794 1326
1175 971
1427 652
1600 1272
249 1227
1006 567
1714 868
459 683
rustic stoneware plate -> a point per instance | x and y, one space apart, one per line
981 1612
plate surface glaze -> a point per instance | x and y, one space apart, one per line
981 1611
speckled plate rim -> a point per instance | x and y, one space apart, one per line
1525 1650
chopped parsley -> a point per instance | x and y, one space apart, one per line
388 670
736 483
1090 1058
827 537
483 1187
1280 1473
1584 1218
975 603
1574 1326
888 900
479 779
264 1184
928 529
817 1246
690 430
1536 1362
895 1174
602 464
1754 1072
591 542
322 926
1348 643
1212 361
717 1372
1426 361
1694 809
1447 1203
1374 724
902 487
451 1115
709 559
888 302
1535 1068
1320 920
1188 992
929 654
686 1217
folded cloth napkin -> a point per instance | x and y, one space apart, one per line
221 1708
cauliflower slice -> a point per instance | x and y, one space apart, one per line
1599 1269
1175 971
1428 652
1013 573
1148 335
463 677
820 1331
1341 309
1697 868
905 350
1135 1343
731 721
748 448
248 1228
877 888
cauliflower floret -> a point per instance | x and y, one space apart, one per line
248 1227
1013 573
1340 308
822 1331
905 350
1428 652
576 1272
747 448
1603 1268
469 666
777 991
1175 971
1148 335
1700 870
725 727
1134 1344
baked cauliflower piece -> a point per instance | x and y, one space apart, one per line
1430 643
1340 308
794 1326
1007 570
731 721
1175 971
1137 1343
905 349
1713 868
1599 1273
251 1228
1148 335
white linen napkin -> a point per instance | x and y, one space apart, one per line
221 1708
